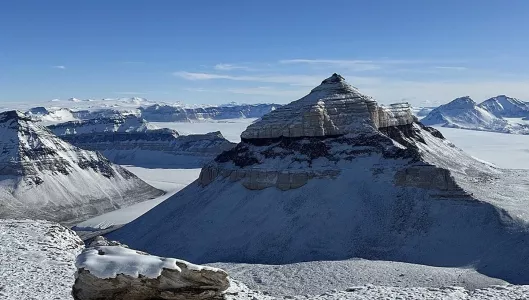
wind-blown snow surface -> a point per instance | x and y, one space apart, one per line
37 260
43 177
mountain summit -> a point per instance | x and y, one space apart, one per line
507 107
43 177
334 176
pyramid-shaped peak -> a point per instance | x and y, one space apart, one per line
332 108
462 102
335 78
336 84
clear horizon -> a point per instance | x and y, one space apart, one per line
206 52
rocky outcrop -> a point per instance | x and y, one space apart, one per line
116 272
333 108
44 177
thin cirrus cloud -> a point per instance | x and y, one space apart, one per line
451 68
59 67
230 67
298 80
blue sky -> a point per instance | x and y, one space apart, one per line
425 52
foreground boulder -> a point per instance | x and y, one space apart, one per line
116 272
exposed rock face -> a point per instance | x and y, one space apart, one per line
132 140
305 130
333 108
115 272
44 177
305 184
168 113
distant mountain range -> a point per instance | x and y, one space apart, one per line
498 114
75 109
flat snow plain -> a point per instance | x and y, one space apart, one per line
350 279
168 180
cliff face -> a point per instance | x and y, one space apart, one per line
132 140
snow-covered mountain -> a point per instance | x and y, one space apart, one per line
44 177
133 141
465 113
334 176
170 113
491 115
507 107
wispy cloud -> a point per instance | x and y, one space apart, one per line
356 65
230 67
267 91
300 80
130 93
59 67
451 68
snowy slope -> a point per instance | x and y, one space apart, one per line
388 192
507 107
43 177
37 260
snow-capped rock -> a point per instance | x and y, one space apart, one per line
116 272
342 177
37 260
506 107
44 177
133 141
465 113
170 113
